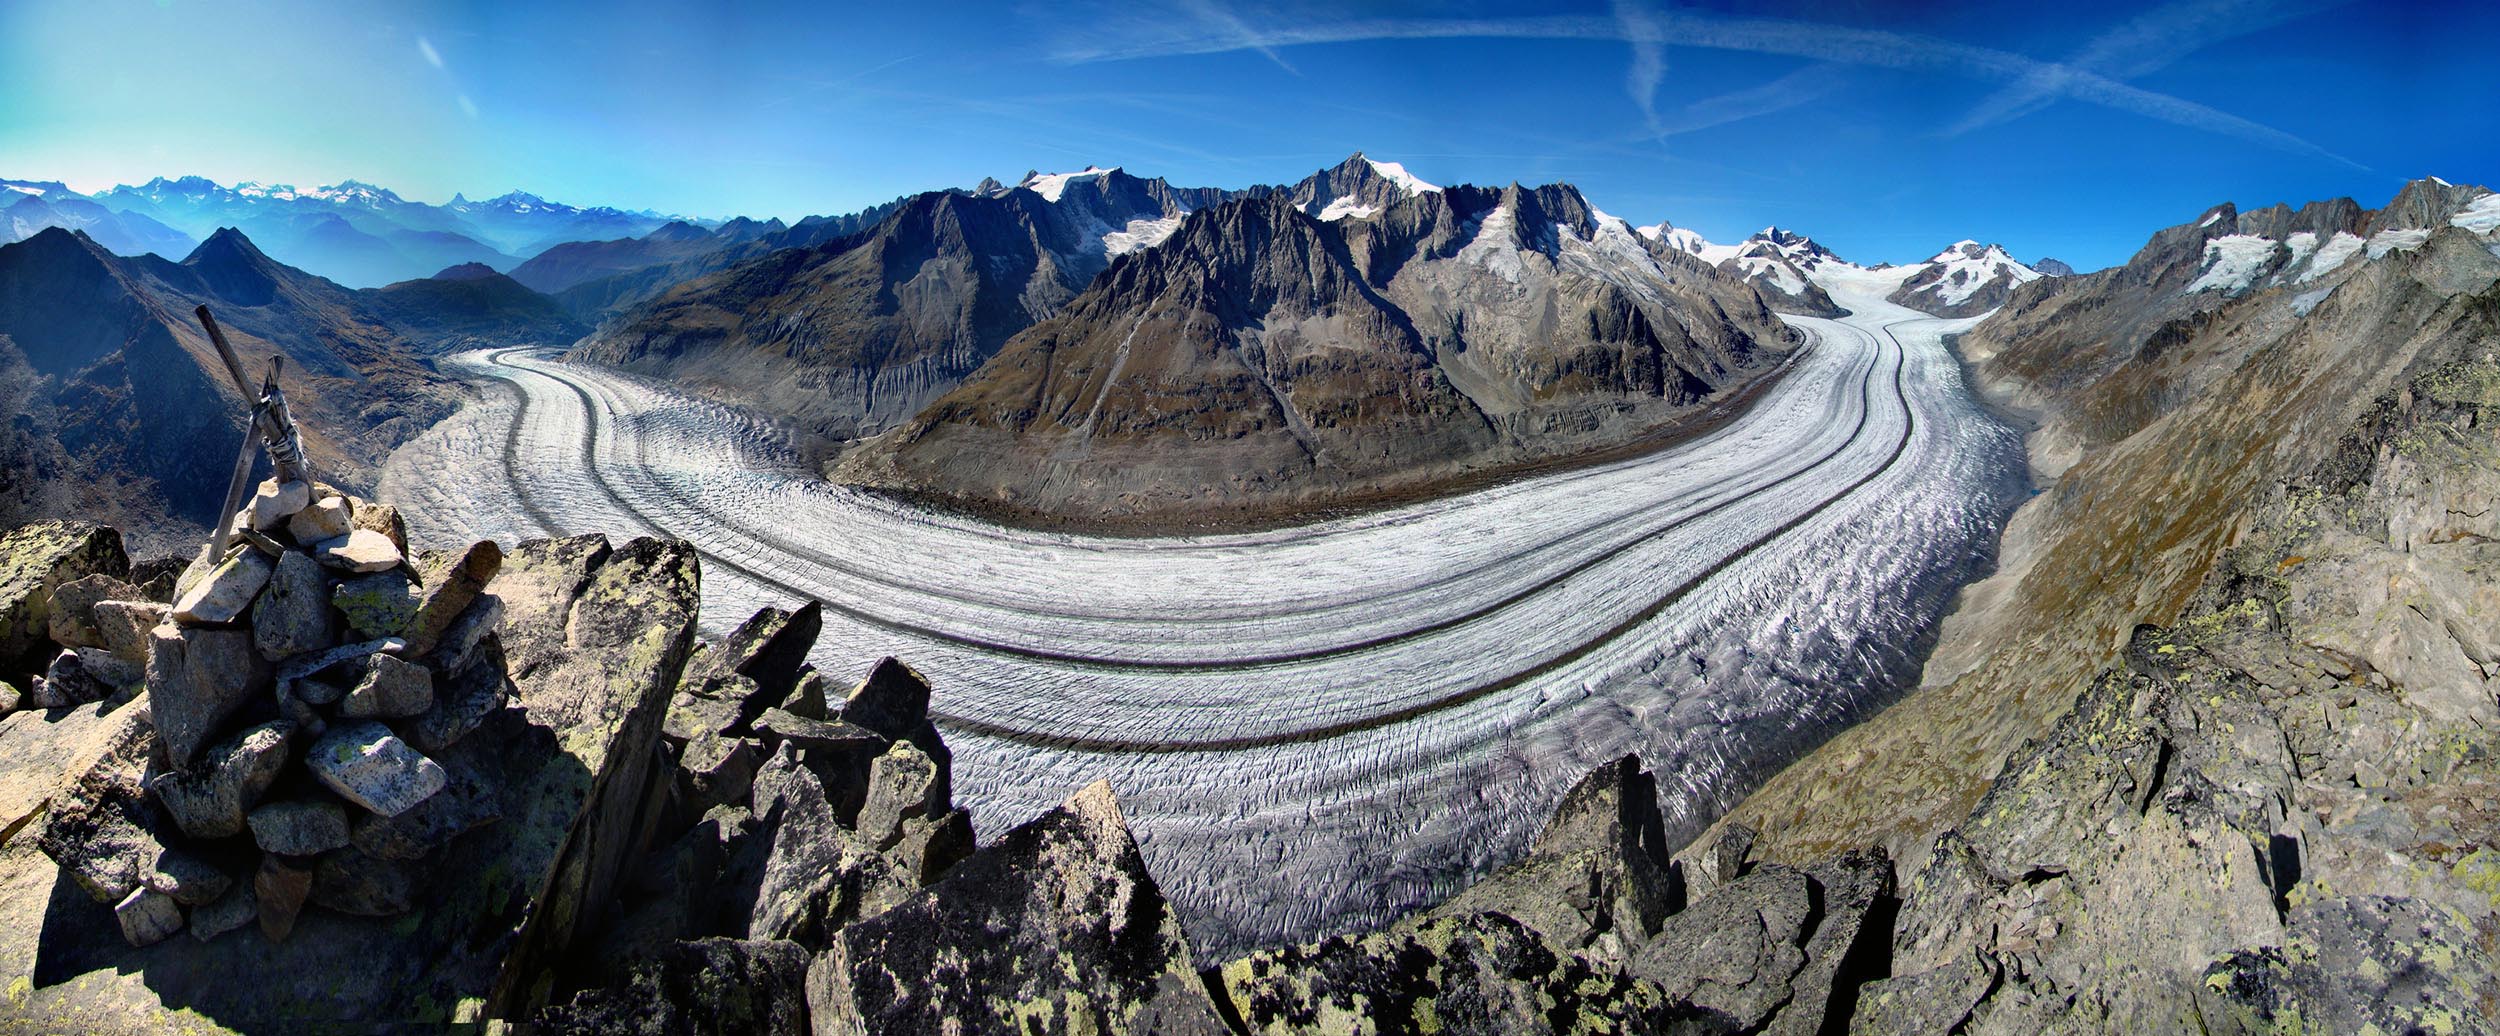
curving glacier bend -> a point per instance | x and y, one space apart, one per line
1323 726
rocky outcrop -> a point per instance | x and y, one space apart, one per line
36 562
2213 762
1261 361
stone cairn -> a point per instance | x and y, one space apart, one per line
295 688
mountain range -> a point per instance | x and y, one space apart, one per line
356 234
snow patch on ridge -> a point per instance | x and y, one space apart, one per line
2482 217
2386 241
2232 263
1347 206
1051 185
1141 234
2331 256
1398 175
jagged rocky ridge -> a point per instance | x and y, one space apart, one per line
628 831
1262 359
2212 750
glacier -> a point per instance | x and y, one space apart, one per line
1317 728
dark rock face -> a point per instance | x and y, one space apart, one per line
1057 926
707 987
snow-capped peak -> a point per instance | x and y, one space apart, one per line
1397 174
1051 185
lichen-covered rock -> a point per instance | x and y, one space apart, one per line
35 560
102 830
378 605
113 671
373 768
67 682
197 678
1596 882
472 694
817 876
424 829
211 798
1461 974
1736 950
74 603
2360 964
1057 928
380 519
293 614
707 987
225 592
903 785
768 651
325 519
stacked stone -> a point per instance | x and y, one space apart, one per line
295 690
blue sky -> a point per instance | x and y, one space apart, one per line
1883 130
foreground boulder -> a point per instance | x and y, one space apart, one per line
1598 880
708 987
1056 928
35 560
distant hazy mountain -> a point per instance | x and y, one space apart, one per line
108 364
471 306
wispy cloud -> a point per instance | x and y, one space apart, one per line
2144 44
1649 61
1817 41
1800 87
1216 16
425 47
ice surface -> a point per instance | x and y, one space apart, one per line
2337 251
1397 174
2232 263
1051 185
1141 234
2481 217
2386 241
1318 727
1344 207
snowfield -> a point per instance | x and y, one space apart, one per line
1318 727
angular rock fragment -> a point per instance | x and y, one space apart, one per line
380 519
373 768
1737 949
148 917
278 890
273 502
293 613
449 591
390 689
816 877
777 726
893 701
103 832
186 877
928 847
226 591
299 828
196 679
235 909
378 605
362 550
769 650
112 670
124 627
325 519
35 560
1059 916
903 785
211 799
460 705
66 682
74 604
460 643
